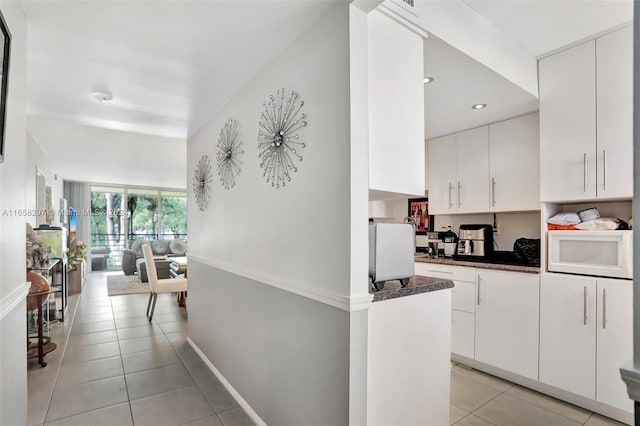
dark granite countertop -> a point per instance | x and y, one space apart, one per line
512 267
417 285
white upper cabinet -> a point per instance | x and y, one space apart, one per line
586 120
442 175
472 168
396 107
568 124
614 100
426 167
489 168
514 158
459 172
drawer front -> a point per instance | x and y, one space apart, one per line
463 296
463 326
455 273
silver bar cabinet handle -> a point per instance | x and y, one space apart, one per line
585 305
604 168
479 279
450 189
584 166
493 191
604 308
459 190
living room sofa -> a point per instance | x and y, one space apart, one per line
133 260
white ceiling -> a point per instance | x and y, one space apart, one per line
538 26
170 65
460 82
541 26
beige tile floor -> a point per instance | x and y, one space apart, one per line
479 399
114 368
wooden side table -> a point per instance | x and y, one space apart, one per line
76 278
39 349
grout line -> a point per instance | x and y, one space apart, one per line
124 375
554 399
66 336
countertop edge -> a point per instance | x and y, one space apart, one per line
481 265
418 284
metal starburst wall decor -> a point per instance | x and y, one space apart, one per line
278 140
201 179
227 154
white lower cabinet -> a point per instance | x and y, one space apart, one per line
567 331
463 325
463 305
614 339
507 321
568 334
586 336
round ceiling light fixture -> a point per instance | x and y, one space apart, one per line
103 96
479 106
428 79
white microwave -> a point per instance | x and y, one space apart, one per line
599 253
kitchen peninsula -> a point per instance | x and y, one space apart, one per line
409 351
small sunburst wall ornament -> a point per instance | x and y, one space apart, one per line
201 179
278 140
227 154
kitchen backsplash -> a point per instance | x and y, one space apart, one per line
511 225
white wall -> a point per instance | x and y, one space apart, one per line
13 363
91 154
255 246
37 159
512 225
286 233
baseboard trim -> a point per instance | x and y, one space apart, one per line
14 298
236 395
352 303
589 404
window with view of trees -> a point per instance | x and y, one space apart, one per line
122 214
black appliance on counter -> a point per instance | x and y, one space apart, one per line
475 241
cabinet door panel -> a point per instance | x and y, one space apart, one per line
514 164
615 114
473 170
462 333
442 175
396 107
507 321
568 124
463 296
615 340
567 344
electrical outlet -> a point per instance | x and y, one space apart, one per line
448 226
496 229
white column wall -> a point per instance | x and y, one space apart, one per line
13 363
270 269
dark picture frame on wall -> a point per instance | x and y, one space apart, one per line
418 210
4 85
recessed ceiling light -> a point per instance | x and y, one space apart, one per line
428 79
103 96
479 106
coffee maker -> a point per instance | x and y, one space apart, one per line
475 241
